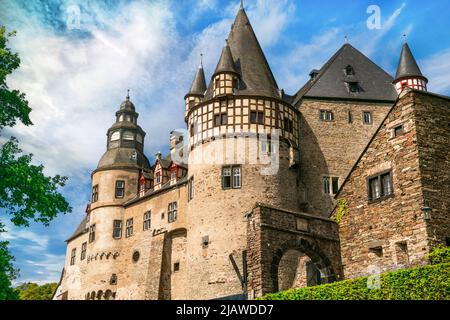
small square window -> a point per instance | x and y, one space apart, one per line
176 267
256 117
380 187
398 131
326 115
353 87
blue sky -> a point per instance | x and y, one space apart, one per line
76 75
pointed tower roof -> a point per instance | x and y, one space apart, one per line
249 59
199 84
332 80
226 63
407 67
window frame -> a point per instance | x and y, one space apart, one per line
92 233
370 117
220 119
172 212
118 188
129 228
73 256
379 177
256 117
147 221
232 176
327 113
115 228
83 251
94 195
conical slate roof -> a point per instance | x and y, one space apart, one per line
199 84
407 66
249 60
226 63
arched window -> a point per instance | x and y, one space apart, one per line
93 295
115 136
139 138
128 135
121 118
99 295
108 294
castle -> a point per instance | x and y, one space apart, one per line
267 191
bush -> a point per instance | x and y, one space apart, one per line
421 283
440 254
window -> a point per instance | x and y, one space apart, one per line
350 117
158 177
335 185
257 117
353 87
330 185
172 212
447 241
129 228
73 256
83 251
288 125
136 255
220 119
173 175
398 131
231 177
191 104
191 189
192 130
128 135
95 193
92 233
326 185
349 71
139 138
326 115
120 189
176 267
266 146
367 117
217 83
147 220
142 189
380 187
236 84
115 136
117 229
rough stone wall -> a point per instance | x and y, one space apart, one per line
433 140
377 236
332 148
271 233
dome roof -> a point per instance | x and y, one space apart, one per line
123 157
127 105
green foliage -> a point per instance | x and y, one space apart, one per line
32 291
7 273
440 254
13 105
420 283
26 193
341 211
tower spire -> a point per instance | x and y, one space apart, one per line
408 72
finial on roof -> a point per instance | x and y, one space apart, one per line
242 4
346 39
405 38
201 60
128 94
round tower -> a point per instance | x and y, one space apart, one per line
114 182
243 150
408 72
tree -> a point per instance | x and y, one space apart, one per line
26 193
32 291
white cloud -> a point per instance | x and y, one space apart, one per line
437 69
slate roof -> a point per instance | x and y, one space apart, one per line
199 84
407 67
226 62
122 157
331 81
250 62
79 231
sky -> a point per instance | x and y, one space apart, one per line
80 57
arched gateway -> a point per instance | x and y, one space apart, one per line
290 249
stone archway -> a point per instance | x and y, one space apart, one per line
310 250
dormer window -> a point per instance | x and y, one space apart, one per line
349 71
139 138
158 177
353 87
